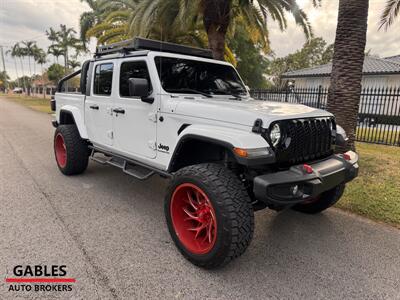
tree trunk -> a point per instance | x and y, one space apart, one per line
216 42
30 75
66 60
348 58
44 94
23 74
16 71
29 64
216 19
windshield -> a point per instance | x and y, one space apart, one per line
198 77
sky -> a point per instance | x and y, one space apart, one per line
29 19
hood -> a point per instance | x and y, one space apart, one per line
245 111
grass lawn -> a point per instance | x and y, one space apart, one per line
39 104
376 192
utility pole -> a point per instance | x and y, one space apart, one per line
4 68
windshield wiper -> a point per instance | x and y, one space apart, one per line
183 90
237 93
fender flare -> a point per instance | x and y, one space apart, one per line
226 137
77 117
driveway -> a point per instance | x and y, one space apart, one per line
109 230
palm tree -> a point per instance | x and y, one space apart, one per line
74 64
390 12
14 52
111 29
67 40
20 52
90 18
64 41
52 37
348 58
55 51
217 17
41 59
29 51
36 52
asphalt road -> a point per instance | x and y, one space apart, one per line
109 230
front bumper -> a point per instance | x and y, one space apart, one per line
304 181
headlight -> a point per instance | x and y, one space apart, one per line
340 131
275 134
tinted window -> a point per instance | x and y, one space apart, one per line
103 79
132 69
179 74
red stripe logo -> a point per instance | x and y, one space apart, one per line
40 280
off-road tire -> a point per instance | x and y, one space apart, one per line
326 200
77 151
233 210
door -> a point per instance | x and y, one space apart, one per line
98 105
135 122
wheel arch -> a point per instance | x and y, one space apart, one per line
190 151
217 140
70 115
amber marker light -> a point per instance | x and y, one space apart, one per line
251 153
240 152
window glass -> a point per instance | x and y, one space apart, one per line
103 79
72 85
132 69
189 76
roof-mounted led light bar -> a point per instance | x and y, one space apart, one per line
138 44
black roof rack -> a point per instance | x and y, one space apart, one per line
137 44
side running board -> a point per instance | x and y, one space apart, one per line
133 168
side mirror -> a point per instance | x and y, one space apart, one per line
139 87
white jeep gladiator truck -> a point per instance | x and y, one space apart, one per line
151 107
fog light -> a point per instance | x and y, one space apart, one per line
295 189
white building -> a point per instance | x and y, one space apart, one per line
377 72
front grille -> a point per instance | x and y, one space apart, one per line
305 140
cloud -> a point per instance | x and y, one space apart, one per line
35 16
29 19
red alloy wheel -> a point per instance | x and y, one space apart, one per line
193 218
61 151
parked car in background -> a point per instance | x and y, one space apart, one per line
17 90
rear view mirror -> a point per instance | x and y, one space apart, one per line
139 87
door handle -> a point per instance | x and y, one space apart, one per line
96 107
119 110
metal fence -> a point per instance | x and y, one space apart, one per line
378 117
